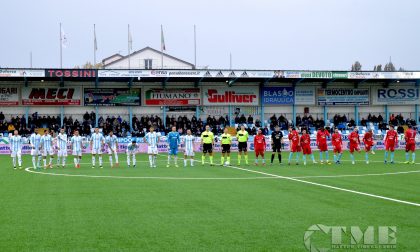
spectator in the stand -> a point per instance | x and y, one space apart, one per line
352 123
298 120
363 122
250 120
242 119
400 129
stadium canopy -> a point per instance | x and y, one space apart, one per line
198 76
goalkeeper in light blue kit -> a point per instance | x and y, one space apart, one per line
173 144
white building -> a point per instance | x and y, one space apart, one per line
146 58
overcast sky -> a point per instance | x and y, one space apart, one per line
260 34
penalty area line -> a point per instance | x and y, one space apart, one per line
328 186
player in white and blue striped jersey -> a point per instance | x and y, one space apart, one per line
112 143
16 149
47 148
132 149
152 139
189 148
97 143
35 142
76 145
62 147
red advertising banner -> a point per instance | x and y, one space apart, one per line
73 73
173 96
51 96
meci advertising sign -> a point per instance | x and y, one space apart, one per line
51 96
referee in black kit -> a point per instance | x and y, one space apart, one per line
276 142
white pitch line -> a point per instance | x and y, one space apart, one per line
124 177
358 175
328 186
267 174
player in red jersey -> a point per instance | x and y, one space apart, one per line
305 143
294 143
321 141
337 143
391 141
259 146
369 144
354 143
410 144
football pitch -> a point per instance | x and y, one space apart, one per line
205 208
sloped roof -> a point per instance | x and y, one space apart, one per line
142 50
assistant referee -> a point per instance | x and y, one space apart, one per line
207 141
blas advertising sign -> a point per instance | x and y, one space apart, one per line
278 95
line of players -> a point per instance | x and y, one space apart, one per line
302 143
48 144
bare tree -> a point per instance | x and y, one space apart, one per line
356 67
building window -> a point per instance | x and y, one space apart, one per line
148 64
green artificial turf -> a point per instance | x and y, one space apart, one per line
203 208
